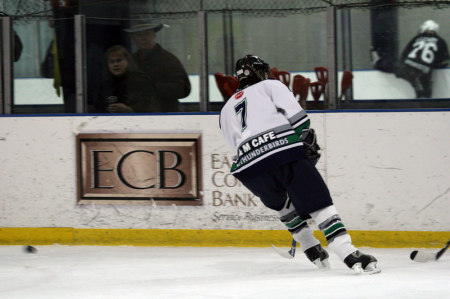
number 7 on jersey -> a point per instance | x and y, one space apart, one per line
241 108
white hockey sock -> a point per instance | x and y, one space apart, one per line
342 246
331 225
306 238
297 227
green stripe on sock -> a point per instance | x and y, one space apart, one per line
333 228
295 222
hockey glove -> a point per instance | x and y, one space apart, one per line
309 139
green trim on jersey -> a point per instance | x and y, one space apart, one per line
303 126
262 145
300 121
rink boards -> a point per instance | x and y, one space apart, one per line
387 172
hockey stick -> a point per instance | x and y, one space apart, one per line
290 254
423 257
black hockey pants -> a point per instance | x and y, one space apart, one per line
300 180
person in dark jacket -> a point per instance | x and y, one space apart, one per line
164 69
424 53
125 89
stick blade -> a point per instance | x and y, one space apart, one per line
422 257
441 252
282 252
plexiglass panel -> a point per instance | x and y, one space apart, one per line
292 44
139 61
34 64
139 56
131 59
398 56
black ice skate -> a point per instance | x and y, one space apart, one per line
362 263
318 256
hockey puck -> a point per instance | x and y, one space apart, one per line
413 254
29 249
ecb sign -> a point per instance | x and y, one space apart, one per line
139 168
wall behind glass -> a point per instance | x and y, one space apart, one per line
293 43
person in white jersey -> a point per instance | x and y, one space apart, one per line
274 157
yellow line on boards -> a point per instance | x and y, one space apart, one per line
208 238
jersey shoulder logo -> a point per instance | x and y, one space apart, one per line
239 95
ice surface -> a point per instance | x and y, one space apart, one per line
210 272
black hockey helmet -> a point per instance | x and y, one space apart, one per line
251 69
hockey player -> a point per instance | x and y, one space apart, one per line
266 128
425 52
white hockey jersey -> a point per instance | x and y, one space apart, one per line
262 124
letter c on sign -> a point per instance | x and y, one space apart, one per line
119 169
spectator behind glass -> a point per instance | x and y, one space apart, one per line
425 52
164 69
125 89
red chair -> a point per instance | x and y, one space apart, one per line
346 82
274 73
283 76
233 83
227 85
300 87
322 74
322 78
317 89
